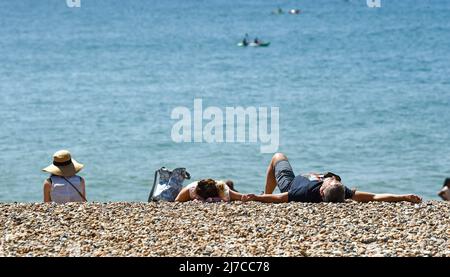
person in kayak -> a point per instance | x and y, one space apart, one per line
245 40
327 188
256 41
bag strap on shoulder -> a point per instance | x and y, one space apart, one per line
82 196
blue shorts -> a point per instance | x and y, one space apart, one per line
284 175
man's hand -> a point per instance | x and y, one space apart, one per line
266 198
413 198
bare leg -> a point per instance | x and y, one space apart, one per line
271 181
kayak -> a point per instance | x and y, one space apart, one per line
261 44
295 11
252 44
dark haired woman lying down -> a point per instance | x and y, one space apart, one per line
209 190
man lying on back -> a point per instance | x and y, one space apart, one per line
327 188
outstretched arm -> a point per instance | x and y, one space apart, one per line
267 198
362 196
236 196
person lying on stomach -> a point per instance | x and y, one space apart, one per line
209 190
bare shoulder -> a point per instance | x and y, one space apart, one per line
47 183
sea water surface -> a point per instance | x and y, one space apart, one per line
363 92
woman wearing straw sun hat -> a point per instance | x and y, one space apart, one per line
64 185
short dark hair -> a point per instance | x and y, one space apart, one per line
334 193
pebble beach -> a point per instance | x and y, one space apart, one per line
222 229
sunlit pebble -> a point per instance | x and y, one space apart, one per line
220 229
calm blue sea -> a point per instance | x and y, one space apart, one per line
363 92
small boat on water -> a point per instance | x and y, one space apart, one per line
260 44
253 44
278 11
291 11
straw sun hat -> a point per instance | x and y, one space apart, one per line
63 165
